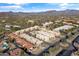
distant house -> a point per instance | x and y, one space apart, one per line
65 27
3 21
46 24
31 21
16 26
8 27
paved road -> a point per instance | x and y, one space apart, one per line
70 50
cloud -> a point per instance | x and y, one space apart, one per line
64 5
41 10
38 1
28 7
12 7
69 6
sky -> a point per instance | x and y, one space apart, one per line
22 6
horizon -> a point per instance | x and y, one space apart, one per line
37 7
39 11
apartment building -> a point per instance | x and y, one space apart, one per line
35 39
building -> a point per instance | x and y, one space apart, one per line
8 27
3 46
71 21
46 24
46 36
31 39
35 39
21 41
15 52
65 27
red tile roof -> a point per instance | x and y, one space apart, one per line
21 41
15 52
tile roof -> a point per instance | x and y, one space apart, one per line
15 52
21 41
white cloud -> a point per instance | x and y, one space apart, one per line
9 6
67 6
38 1
14 1
41 10
63 5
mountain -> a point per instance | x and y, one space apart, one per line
51 12
64 12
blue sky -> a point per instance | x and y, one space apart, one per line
37 7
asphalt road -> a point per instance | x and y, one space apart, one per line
70 50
